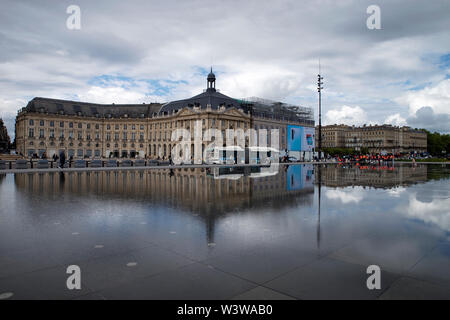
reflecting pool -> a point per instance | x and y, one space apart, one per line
297 232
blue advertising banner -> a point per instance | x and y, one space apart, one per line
308 143
294 178
294 138
300 138
300 177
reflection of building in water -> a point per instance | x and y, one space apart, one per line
191 189
372 176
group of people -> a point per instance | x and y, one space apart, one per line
62 159
372 158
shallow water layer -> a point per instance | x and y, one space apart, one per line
297 232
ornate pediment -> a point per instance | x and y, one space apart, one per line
186 112
235 112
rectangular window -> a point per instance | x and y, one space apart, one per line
133 136
70 124
41 133
52 133
71 134
124 135
117 127
97 135
52 123
80 125
108 136
108 127
133 127
31 132
31 122
88 135
124 127
80 135
142 127
61 124
88 126
97 126
41 123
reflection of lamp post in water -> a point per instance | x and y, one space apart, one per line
210 222
319 178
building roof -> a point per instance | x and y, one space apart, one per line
203 100
210 98
67 107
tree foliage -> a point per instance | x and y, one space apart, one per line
438 144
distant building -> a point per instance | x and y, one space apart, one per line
376 138
4 138
90 130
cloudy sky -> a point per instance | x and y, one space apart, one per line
145 51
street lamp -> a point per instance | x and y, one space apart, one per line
319 89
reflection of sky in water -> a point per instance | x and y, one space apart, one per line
392 225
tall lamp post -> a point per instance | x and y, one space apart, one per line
319 89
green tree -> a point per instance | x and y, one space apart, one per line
4 138
438 144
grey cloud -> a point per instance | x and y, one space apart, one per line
426 118
165 39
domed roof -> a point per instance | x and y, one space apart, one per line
211 75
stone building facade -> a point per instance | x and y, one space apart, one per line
87 130
376 138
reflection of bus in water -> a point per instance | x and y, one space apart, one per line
240 155
236 172
231 173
